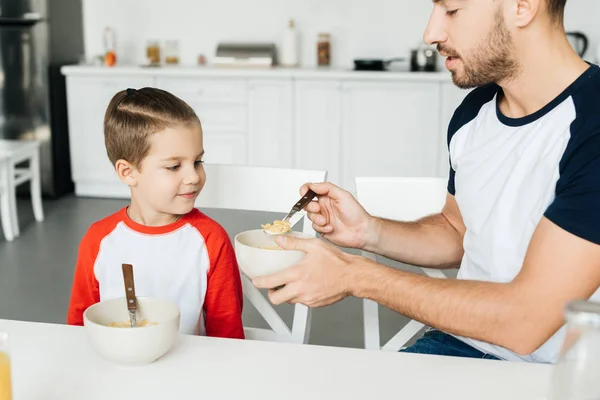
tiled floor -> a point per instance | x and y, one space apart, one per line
36 271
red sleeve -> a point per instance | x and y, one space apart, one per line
85 291
224 297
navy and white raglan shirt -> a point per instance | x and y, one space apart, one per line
508 173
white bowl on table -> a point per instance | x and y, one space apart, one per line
132 346
258 254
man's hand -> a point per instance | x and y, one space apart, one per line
321 278
338 217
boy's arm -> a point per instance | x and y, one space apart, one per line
224 297
85 291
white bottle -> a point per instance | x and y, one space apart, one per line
289 48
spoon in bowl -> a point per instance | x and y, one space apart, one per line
130 293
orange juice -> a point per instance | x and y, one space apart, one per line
5 386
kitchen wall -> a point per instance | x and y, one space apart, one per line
360 28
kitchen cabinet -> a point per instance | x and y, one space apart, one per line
270 123
347 123
318 117
389 129
88 98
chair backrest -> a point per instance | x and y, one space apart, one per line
401 199
264 189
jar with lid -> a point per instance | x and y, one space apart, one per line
577 372
153 52
172 52
324 49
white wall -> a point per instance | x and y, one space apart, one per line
360 28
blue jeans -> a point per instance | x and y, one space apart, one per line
440 343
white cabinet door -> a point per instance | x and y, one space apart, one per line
317 127
88 98
224 148
452 96
270 123
390 129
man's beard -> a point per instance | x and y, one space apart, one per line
491 61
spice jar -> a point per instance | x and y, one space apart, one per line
153 52
172 52
324 49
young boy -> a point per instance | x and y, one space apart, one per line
154 140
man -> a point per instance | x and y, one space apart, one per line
522 214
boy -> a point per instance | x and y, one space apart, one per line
154 140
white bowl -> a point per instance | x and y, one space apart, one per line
256 256
132 346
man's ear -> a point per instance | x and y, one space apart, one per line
526 12
126 172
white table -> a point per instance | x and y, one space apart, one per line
57 362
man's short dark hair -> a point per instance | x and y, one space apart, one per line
556 8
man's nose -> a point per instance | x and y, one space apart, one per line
436 31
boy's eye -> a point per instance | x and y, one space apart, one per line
451 12
173 167
198 163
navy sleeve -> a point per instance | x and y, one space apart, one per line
465 113
576 207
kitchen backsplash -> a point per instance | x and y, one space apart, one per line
359 28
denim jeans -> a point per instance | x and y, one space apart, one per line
440 343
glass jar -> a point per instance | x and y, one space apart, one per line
324 50
153 52
172 52
5 378
577 372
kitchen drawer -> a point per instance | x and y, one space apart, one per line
221 117
205 90
225 148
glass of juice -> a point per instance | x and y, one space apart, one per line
5 380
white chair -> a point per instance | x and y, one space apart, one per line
5 201
400 199
269 190
14 152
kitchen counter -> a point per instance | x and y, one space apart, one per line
272 73
349 123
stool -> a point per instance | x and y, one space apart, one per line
14 152
5 201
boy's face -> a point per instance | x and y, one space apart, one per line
172 174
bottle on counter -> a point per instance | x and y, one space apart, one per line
324 50
110 53
289 51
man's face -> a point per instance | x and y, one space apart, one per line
472 34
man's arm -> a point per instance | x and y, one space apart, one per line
520 315
435 241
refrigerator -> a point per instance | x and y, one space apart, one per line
37 37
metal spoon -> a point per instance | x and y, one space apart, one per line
299 206
130 293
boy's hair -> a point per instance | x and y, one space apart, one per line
133 115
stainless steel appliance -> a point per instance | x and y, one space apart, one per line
37 37
423 59
246 55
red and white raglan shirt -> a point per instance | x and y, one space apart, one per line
190 262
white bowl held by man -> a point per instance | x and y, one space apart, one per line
132 346
258 254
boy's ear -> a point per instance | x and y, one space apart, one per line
126 172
